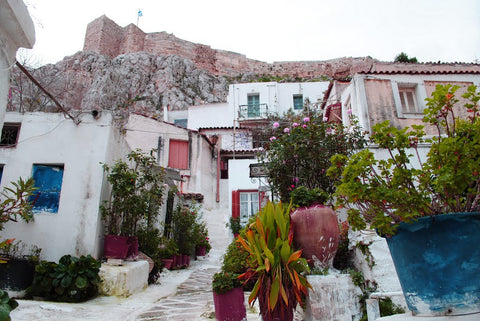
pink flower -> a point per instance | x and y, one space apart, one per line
272 138
349 111
306 119
286 130
325 119
295 125
304 126
276 124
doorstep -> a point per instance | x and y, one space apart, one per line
123 280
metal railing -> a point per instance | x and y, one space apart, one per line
252 111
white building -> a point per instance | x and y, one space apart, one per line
16 30
65 160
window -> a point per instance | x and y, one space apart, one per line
181 122
297 102
245 203
253 105
48 181
408 99
178 154
10 133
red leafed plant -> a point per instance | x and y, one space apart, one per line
273 261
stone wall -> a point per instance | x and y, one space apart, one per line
104 36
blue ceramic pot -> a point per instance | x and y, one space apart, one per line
438 263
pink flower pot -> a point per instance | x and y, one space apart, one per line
168 263
316 232
200 250
115 247
230 306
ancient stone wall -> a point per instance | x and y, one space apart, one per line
104 36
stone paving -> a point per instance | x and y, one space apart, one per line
192 301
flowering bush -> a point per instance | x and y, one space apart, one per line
298 149
383 193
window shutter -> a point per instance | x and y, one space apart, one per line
235 204
178 154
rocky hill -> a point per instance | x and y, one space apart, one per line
167 71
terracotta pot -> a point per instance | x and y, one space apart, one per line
185 260
281 312
316 232
230 306
115 247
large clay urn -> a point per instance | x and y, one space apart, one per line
316 231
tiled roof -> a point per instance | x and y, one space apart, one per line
422 68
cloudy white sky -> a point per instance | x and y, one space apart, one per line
277 30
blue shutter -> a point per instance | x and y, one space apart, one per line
48 180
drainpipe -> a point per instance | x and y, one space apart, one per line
218 175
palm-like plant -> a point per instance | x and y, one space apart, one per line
276 265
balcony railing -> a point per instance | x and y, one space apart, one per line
253 111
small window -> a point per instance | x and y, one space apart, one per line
10 133
408 99
48 181
181 122
297 102
178 154
253 105
248 206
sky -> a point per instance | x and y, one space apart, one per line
275 30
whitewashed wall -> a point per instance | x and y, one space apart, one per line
16 30
53 139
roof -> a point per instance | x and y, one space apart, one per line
422 68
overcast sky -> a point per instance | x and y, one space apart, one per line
277 30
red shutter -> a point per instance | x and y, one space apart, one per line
235 204
178 154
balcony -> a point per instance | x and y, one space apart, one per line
252 111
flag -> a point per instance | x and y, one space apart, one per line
140 14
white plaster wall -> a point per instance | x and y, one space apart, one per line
16 30
313 91
210 115
54 139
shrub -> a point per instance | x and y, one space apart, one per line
71 280
6 305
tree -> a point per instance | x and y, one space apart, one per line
403 57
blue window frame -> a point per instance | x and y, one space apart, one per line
48 180
297 102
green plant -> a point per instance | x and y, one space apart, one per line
184 220
298 148
6 305
222 282
383 193
15 202
403 57
201 236
72 279
136 193
273 261
235 225
302 196
11 249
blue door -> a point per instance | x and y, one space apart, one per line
48 180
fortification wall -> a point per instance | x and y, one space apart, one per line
104 36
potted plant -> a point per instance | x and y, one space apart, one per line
202 244
432 201
17 264
228 297
235 225
273 261
136 196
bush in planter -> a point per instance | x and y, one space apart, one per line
136 195
72 279
188 230
6 305
202 243
235 225
426 210
228 297
383 193
298 151
279 269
